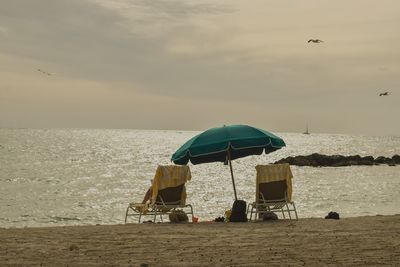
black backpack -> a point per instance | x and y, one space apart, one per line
332 215
238 211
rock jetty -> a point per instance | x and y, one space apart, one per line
320 160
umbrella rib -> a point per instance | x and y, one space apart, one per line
226 149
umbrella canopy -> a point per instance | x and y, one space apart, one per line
213 145
227 143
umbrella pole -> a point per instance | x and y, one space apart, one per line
233 180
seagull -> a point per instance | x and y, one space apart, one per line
44 72
315 41
385 93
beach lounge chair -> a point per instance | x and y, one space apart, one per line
273 191
168 194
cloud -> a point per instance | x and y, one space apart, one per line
161 17
3 31
176 8
159 9
225 54
69 34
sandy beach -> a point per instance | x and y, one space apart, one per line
359 241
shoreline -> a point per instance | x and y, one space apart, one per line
349 241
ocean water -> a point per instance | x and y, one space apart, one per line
51 177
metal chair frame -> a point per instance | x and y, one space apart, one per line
159 208
263 206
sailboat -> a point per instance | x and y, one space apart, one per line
306 132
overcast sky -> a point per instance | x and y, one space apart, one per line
192 65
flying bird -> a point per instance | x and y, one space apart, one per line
315 41
44 72
385 93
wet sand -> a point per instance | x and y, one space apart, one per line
350 241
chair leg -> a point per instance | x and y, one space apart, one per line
260 213
288 210
161 217
250 210
126 214
140 216
295 211
283 213
257 213
191 210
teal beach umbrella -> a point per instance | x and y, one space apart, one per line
224 144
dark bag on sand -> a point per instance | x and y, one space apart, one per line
269 216
332 215
238 211
178 216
